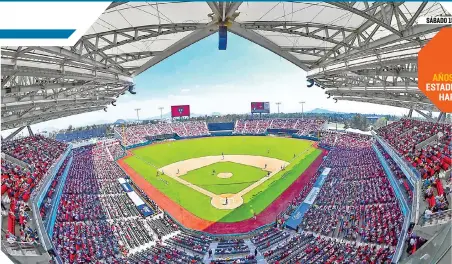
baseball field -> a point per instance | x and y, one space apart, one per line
223 179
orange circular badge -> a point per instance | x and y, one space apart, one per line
435 70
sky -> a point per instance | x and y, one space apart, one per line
210 80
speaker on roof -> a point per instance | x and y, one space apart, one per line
113 103
223 37
329 96
310 83
335 100
105 109
132 89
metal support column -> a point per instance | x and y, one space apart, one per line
424 115
30 132
12 135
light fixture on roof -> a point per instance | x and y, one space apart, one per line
222 37
132 89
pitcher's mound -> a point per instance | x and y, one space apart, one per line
224 175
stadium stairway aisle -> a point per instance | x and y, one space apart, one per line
212 247
252 247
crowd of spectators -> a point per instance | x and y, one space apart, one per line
96 220
250 259
18 180
195 243
302 127
406 137
397 172
46 205
348 140
270 237
160 254
309 248
356 202
115 149
136 134
38 152
231 247
435 196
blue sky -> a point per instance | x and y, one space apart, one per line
211 80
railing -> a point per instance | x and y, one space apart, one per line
433 250
429 140
435 218
403 204
52 216
16 161
15 248
400 197
38 195
416 202
410 172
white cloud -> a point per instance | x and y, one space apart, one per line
184 90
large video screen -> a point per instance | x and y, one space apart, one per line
180 110
260 107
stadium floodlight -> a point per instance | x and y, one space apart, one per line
278 103
302 111
161 112
138 116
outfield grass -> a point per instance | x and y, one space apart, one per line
147 159
243 176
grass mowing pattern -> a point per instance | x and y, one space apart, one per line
149 158
243 176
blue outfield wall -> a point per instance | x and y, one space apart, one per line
280 130
221 133
220 126
305 137
56 201
139 145
327 147
192 137
297 216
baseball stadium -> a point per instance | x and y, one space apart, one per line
261 186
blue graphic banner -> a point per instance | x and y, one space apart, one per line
145 210
126 187
36 33
297 216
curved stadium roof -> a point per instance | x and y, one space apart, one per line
365 51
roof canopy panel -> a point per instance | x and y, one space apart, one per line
359 51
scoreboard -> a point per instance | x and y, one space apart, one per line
180 110
260 107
